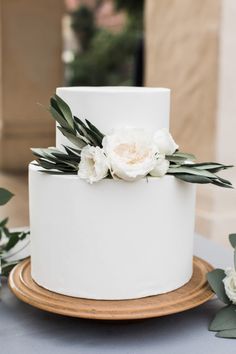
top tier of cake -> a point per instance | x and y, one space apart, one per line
109 108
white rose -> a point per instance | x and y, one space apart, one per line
131 152
165 143
161 167
93 165
230 284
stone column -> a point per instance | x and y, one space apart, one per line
191 48
30 70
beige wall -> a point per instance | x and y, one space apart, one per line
191 48
31 68
181 53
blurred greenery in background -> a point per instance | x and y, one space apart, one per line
106 58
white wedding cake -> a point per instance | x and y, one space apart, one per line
113 239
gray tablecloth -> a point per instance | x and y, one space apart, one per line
26 330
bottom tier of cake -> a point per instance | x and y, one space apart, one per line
111 240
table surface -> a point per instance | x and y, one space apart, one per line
28 330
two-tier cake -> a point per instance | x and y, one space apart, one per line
112 239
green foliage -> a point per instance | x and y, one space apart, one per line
182 166
108 62
131 6
76 131
105 58
8 239
82 23
134 9
215 278
224 322
5 196
81 133
232 240
225 319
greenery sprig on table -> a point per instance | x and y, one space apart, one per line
223 283
8 239
80 134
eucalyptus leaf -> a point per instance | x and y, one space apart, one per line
215 280
229 333
5 196
224 319
235 259
232 240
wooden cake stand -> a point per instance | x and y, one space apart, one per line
193 294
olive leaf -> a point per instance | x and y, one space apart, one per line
57 160
184 155
65 109
191 170
193 178
199 173
59 118
78 140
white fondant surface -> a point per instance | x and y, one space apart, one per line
113 239
109 108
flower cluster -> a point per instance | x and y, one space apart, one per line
128 154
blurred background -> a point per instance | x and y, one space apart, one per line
186 45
